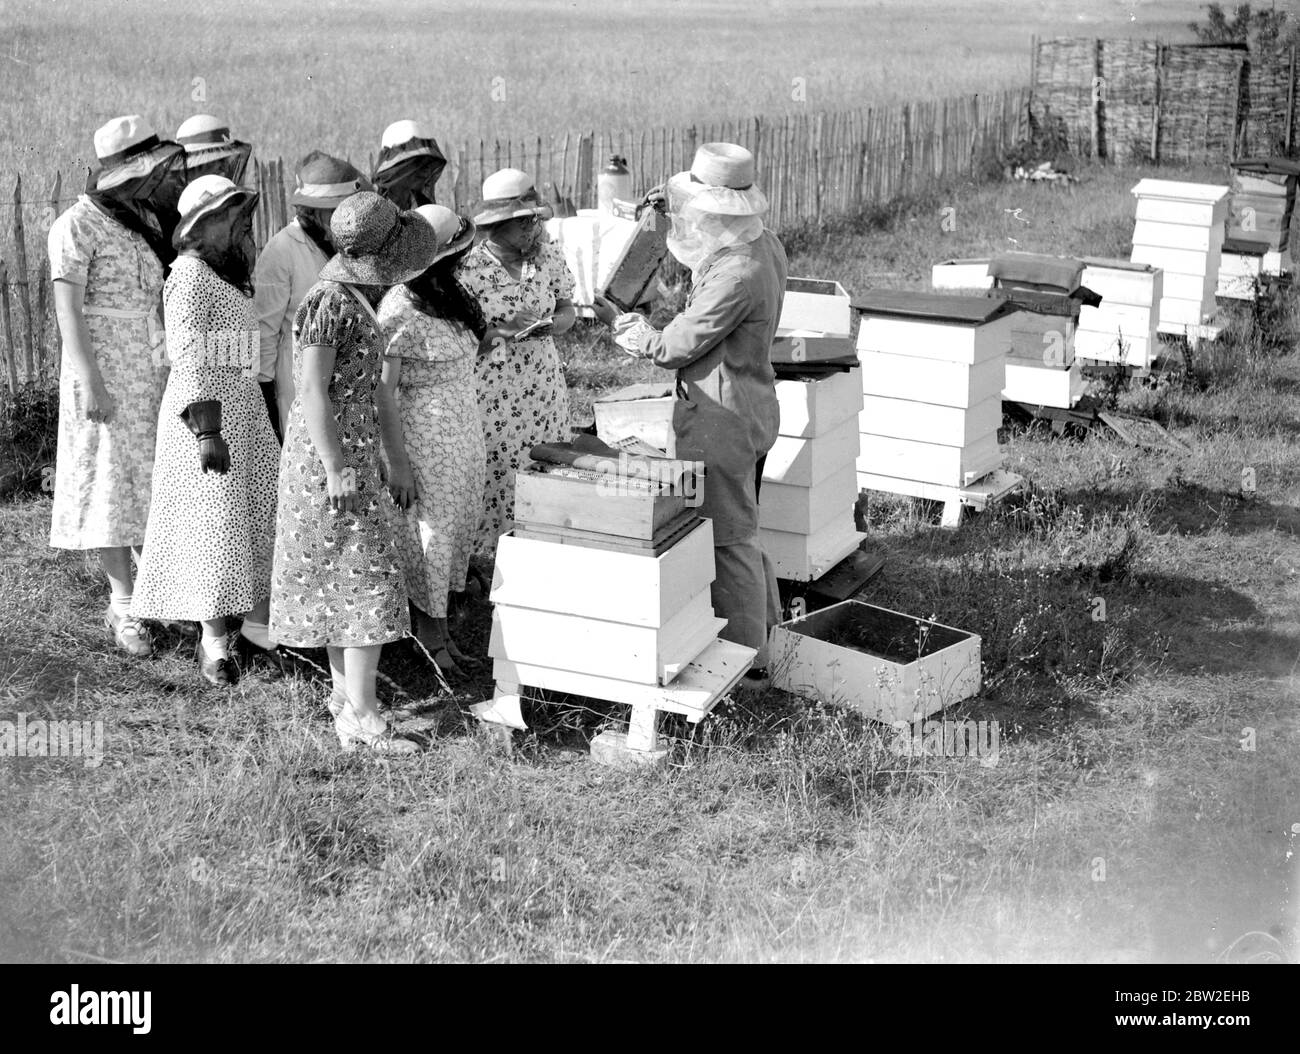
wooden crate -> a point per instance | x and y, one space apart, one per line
624 512
604 648
815 306
805 462
805 510
641 411
817 406
574 580
930 462
961 275
807 557
927 423
902 668
1043 387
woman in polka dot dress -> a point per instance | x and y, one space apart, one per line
208 544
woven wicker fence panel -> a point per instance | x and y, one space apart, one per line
1199 96
1063 88
1128 71
1268 89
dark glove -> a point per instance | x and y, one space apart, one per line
203 418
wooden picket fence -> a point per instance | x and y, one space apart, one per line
811 166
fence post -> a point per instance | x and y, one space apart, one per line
1290 104
11 352
583 191
1094 110
24 279
1155 105
42 283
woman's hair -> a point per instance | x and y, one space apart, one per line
437 293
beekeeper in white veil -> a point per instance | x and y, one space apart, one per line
726 411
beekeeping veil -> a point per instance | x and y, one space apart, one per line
715 205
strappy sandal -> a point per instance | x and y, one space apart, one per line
130 633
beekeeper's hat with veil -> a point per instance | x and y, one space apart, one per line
715 204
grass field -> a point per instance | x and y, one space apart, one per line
291 75
1123 820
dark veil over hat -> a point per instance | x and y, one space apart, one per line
406 172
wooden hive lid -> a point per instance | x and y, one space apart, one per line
933 307
1113 264
1205 193
1273 166
1244 247
1060 274
635 392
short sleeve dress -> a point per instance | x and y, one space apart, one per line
336 579
104 472
522 397
208 547
444 441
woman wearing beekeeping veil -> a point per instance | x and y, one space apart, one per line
726 412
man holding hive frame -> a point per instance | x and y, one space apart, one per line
726 412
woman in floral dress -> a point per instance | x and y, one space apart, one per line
337 582
107 256
207 550
518 277
429 368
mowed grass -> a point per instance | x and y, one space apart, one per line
1123 820
293 75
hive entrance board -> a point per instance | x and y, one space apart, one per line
1142 432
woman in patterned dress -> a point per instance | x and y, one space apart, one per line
107 258
429 369
518 277
208 546
336 581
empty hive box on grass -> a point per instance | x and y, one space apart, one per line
1180 229
1048 290
1122 328
805 508
815 324
933 370
887 665
639 411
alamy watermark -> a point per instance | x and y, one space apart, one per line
38 738
653 474
947 739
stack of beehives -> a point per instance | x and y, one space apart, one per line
1122 328
1041 365
1259 225
805 509
1180 229
603 589
933 369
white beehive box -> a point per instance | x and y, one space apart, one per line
1128 314
933 370
804 462
1242 268
954 276
1180 229
1038 387
806 509
886 665
806 557
554 606
639 411
815 306
817 405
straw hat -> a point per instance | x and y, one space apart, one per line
377 243
127 148
508 195
325 182
207 141
406 139
446 224
207 196
720 182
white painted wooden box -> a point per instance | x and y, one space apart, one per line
806 557
816 406
887 665
805 462
951 276
933 370
1039 387
1129 309
815 306
806 509
1180 229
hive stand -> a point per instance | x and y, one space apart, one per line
701 685
976 496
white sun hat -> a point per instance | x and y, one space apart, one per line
208 195
720 181
127 148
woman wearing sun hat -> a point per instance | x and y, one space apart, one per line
290 263
210 150
726 414
337 582
518 277
107 255
208 546
410 162
429 367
